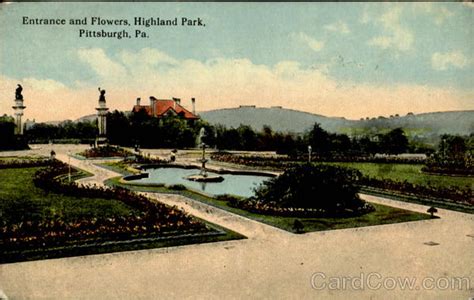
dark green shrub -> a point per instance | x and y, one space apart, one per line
330 188
298 227
177 187
230 199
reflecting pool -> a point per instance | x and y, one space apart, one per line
239 185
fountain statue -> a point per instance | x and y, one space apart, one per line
202 135
203 176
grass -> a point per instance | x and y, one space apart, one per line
409 172
17 188
382 215
21 199
120 167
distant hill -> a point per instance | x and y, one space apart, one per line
279 119
87 118
287 120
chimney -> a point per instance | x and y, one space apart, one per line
152 106
176 101
193 100
138 101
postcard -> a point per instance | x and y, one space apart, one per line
236 150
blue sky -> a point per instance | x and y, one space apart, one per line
341 59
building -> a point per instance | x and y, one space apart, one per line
160 108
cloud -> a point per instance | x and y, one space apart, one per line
226 82
309 41
47 85
47 99
396 36
146 56
468 3
438 11
443 61
339 27
102 65
365 17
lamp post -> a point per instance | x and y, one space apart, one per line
309 153
69 166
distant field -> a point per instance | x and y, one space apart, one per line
410 173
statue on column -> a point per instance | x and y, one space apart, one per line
18 95
102 95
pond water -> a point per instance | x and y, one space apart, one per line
239 185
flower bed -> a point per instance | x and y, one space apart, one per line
255 206
449 171
149 218
23 163
455 194
105 151
282 162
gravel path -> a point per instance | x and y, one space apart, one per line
271 264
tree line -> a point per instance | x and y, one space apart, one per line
132 129
175 132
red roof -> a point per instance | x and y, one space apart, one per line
162 106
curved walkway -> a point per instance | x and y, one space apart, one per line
269 265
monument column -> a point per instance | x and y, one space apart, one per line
101 115
18 108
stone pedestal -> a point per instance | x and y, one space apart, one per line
101 119
18 112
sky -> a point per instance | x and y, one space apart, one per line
349 60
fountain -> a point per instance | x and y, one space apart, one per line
199 178
203 176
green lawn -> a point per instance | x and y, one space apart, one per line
21 200
18 195
382 215
120 167
409 172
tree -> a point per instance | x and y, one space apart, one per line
394 142
119 129
452 147
454 155
288 145
7 133
340 143
229 139
248 137
319 140
365 145
266 141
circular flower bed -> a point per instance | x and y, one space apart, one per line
309 190
105 151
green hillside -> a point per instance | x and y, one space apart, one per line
287 120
